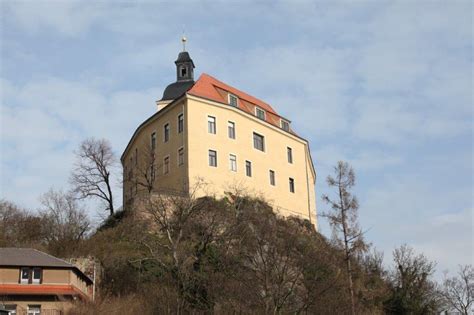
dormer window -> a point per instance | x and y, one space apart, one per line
232 100
285 125
260 113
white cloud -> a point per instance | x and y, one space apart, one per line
43 122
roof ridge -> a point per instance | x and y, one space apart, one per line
249 98
56 258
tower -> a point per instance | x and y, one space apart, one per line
184 78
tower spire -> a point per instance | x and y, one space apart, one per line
184 40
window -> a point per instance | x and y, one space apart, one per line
180 123
11 309
272 177
180 156
258 142
231 129
152 171
34 310
233 162
292 185
153 141
25 275
211 124
37 275
289 153
212 158
248 168
183 71
285 125
232 100
166 165
166 132
260 113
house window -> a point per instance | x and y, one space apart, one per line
180 123
233 162
153 141
232 100
258 142
166 165
212 158
289 153
231 129
152 171
211 124
25 275
260 113
180 156
11 309
34 310
285 125
248 168
292 185
166 132
36 275
272 177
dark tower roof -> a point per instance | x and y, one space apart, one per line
184 77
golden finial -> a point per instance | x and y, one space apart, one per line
183 40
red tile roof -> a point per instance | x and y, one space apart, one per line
40 289
210 88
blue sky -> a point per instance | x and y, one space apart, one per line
386 86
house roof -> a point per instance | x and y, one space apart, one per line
29 257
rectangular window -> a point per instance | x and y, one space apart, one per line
11 309
285 125
180 156
136 156
153 141
34 310
211 124
289 153
248 168
292 185
166 165
231 129
152 171
272 177
180 123
232 100
166 132
258 142
37 275
212 158
233 162
260 113
25 275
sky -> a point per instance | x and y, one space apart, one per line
384 85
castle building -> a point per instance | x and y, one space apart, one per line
206 131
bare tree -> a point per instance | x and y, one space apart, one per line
412 290
144 173
91 176
343 218
458 292
68 220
